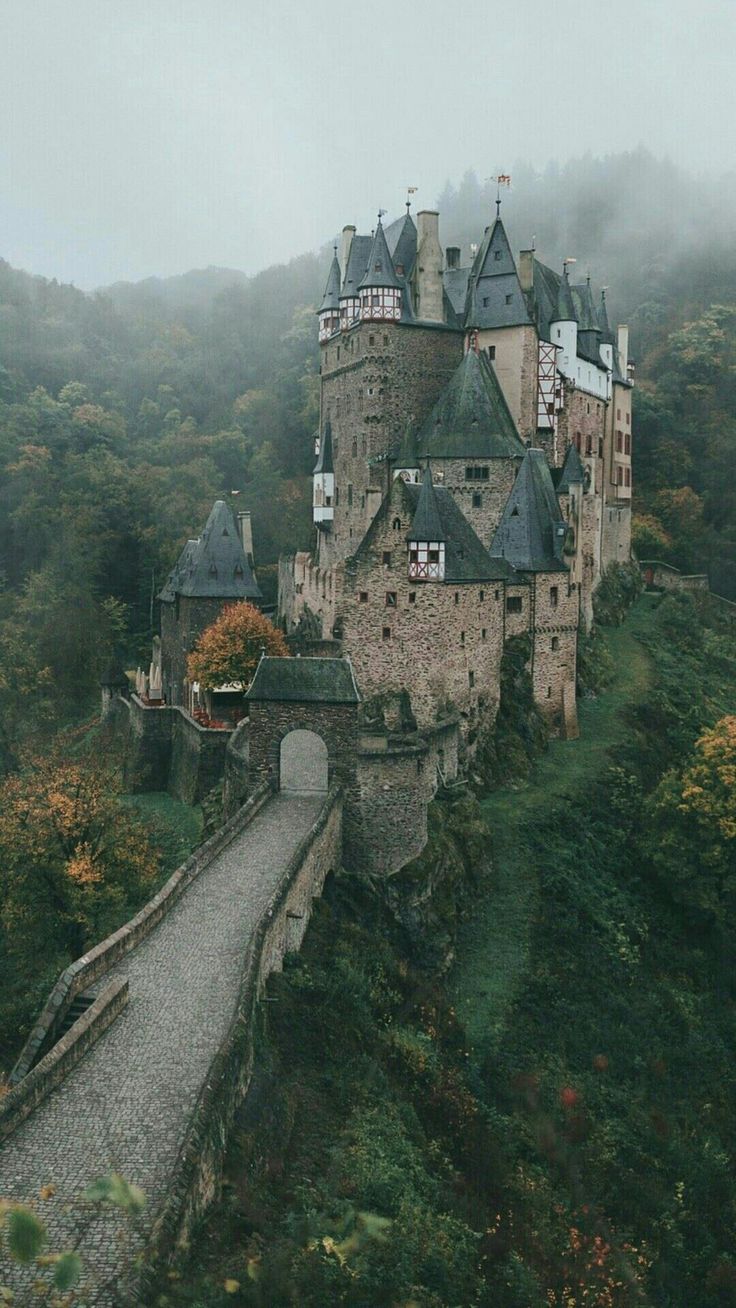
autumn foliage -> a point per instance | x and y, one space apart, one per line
229 650
74 860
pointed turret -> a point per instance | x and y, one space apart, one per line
572 472
565 311
426 536
329 310
564 326
215 564
589 332
607 336
531 534
471 418
495 298
355 255
323 482
380 288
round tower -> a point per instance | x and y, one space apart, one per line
380 289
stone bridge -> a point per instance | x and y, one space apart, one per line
154 1095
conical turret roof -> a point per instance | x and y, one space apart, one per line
332 289
324 458
572 471
531 532
215 564
565 311
607 336
495 298
380 271
426 525
471 418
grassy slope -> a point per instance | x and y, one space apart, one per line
493 946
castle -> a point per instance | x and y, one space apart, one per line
473 474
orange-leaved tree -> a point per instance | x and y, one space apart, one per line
75 861
228 650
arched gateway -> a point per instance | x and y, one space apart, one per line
303 767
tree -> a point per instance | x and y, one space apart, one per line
74 860
693 829
229 650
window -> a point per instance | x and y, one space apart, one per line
386 633
386 559
620 476
375 301
509 298
627 443
549 692
338 354
619 442
371 340
390 599
618 415
412 597
628 476
385 340
589 444
628 420
477 500
486 301
481 596
471 678
355 447
491 351
497 255
433 556
363 597
495 594
457 596
337 495
350 495
600 447
555 642
483 633
513 604
476 473
369 390
554 596
397 524
462 637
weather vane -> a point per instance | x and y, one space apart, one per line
410 191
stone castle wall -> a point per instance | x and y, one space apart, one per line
182 622
516 364
165 749
485 515
554 643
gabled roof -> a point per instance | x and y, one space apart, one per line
360 249
332 289
455 282
426 524
466 557
304 681
214 565
380 271
324 458
401 239
471 418
531 533
571 473
495 297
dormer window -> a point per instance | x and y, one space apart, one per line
497 255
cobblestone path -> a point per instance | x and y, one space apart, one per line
126 1106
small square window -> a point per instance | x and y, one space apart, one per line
385 340
371 340
491 351
555 642
386 559
513 604
486 301
391 599
497 255
477 500
386 633
364 597
412 597
509 298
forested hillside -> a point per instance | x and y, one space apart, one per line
125 413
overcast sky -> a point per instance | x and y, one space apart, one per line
143 137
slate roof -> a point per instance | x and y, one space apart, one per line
332 289
455 282
543 298
495 298
565 310
360 249
304 681
471 418
572 471
380 271
324 458
214 565
401 239
466 557
531 533
426 524
607 336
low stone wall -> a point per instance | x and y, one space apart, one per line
167 749
662 576
81 974
197 1174
66 1053
237 775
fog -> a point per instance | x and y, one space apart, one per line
159 135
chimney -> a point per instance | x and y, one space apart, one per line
623 348
346 240
245 532
428 280
452 256
526 269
